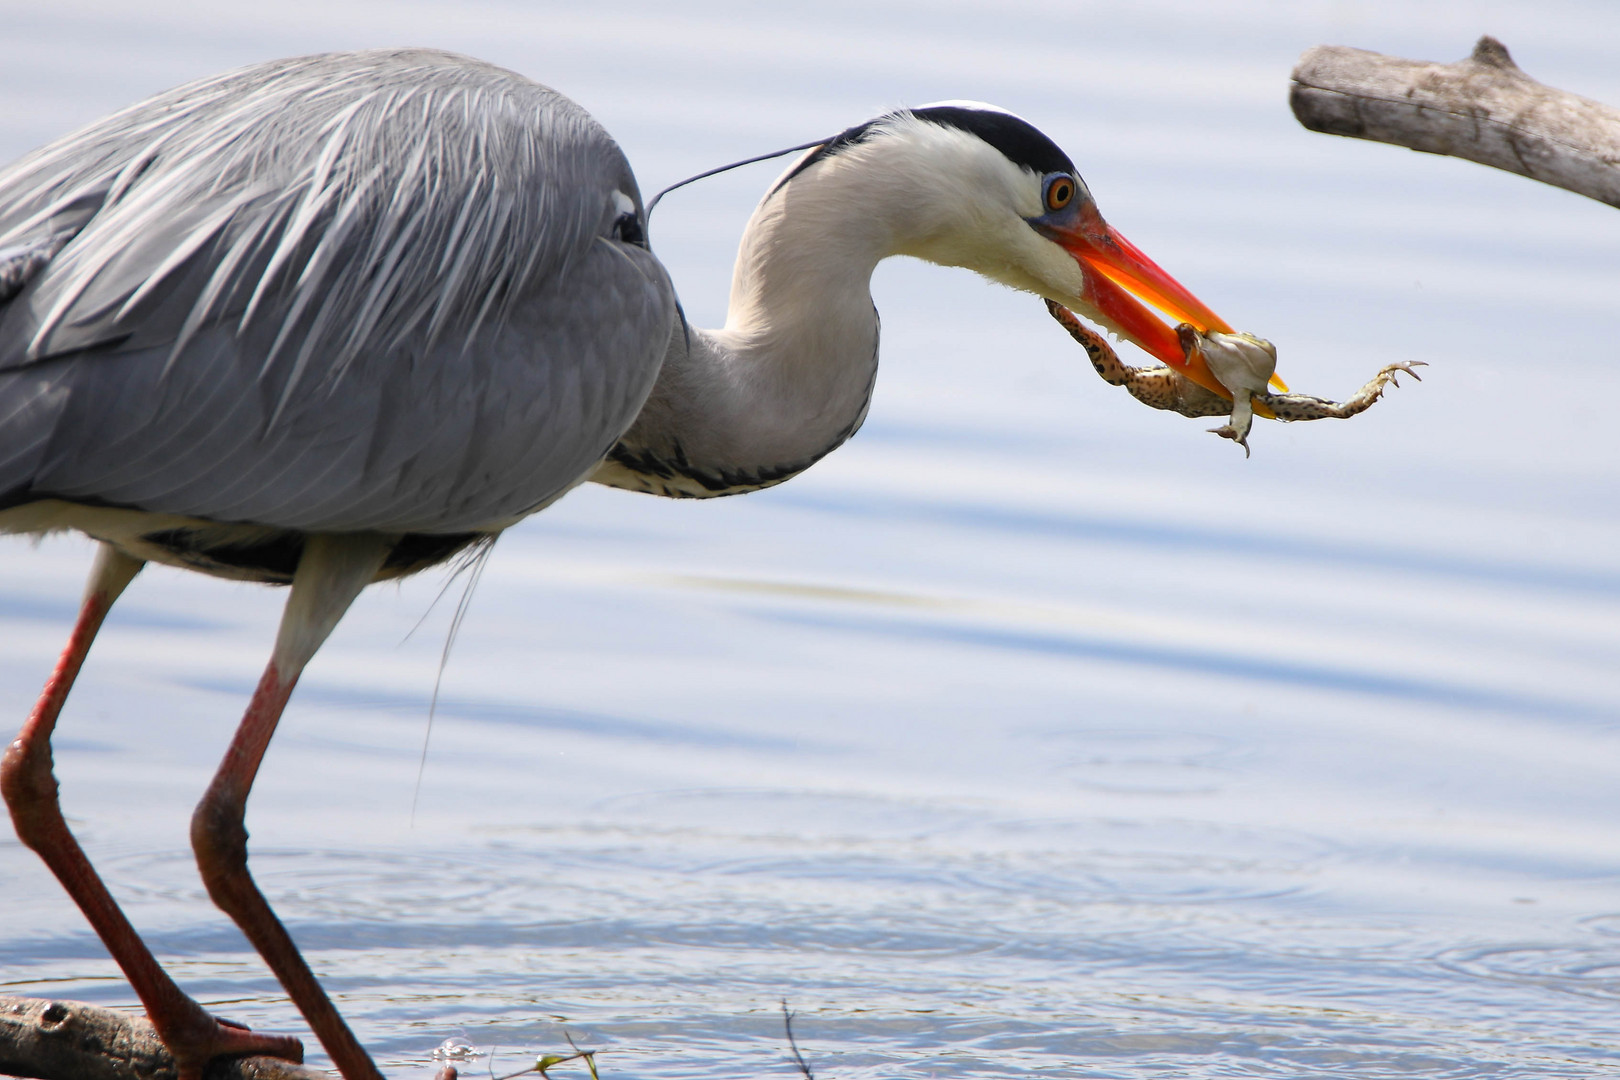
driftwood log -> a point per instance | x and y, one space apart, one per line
1483 108
67 1040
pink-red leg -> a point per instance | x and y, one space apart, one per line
331 573
30 790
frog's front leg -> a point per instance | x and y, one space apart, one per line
1160 387
1305 407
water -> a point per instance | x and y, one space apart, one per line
1032 733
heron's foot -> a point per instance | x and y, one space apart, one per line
199 1038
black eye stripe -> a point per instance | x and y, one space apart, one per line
1018 140
1021 142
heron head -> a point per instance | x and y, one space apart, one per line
1003 199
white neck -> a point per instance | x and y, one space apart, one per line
789 376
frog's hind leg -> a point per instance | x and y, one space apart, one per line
1305 407
1159 387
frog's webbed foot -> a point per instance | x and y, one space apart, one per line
1159 387
1305 407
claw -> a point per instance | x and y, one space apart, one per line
1389 370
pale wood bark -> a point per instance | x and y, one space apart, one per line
1482 108
68 1040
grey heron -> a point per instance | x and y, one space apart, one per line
331 320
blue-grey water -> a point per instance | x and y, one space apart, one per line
1032 733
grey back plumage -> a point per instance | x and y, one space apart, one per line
379 290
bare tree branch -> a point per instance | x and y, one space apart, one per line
67 1040
1483 108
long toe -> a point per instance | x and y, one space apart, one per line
215 1038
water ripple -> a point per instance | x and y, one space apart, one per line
1590 971
1202 661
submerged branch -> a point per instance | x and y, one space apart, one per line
1482 108
68 1040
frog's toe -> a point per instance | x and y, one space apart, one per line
1230 431
1391 370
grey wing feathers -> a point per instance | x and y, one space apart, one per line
374 290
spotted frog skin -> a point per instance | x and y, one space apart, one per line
1163 387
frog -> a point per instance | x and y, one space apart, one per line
1243 363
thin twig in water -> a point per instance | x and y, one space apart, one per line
588 1055
798 1058
546 1062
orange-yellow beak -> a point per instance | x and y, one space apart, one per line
1114 269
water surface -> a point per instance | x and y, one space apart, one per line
1032 733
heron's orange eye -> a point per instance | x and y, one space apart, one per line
1059 191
